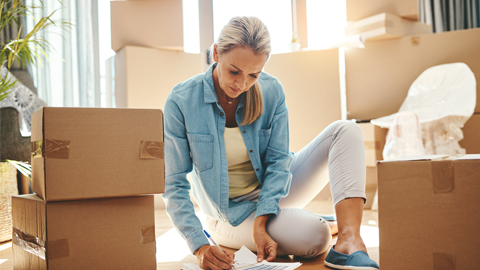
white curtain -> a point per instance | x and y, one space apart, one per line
70 77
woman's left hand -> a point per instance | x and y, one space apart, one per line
266 247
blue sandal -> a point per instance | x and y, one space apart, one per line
358 260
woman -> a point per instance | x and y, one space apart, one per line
230 126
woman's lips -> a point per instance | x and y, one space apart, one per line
235 91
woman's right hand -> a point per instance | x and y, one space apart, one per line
210 257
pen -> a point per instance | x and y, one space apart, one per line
216 244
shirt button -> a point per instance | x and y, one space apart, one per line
257 169
251 151
222 114
244 131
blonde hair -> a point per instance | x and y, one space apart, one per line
246 32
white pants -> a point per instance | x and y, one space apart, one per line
337 152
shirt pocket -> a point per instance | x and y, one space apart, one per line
263 139
201 148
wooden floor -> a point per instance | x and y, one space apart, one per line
172 251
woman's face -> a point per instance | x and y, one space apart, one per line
238 69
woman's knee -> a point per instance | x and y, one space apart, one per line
346 127
299 232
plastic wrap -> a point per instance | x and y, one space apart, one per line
404 138
441 137
444 98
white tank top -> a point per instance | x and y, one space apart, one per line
241 174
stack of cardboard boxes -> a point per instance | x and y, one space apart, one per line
148 38
93 171
426 205
384 19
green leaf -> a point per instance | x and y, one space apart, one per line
22 167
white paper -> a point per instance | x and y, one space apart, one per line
247 260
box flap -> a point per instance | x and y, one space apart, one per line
415 158
469 157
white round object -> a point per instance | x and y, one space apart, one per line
440 91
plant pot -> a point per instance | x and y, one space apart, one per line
8 188
12 145
295 47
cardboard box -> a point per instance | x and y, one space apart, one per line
428 213
156 24
378 77
144 77
115 233
374 139
471 135
311 82
83 153
386 26
370 186
360 9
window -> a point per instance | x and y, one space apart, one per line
326 22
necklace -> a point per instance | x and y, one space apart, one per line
225 99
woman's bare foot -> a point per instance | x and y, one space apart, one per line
333 227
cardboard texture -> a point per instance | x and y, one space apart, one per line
105 156
471 135
374 139
428 213
370 186
132 22
378 77
113 233
312 86
144 77
360 9
386 26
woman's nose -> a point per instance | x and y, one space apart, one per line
241 83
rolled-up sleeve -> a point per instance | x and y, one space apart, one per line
278 159
178 164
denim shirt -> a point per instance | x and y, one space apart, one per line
194 127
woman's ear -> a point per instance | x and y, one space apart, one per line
215 53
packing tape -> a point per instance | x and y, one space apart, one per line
151 150
29 243
51 249
50 149
443 176
444 261
148 235
57 249
372 145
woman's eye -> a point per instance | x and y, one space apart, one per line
253 76
234 72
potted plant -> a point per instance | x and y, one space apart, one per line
22 50
295 45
